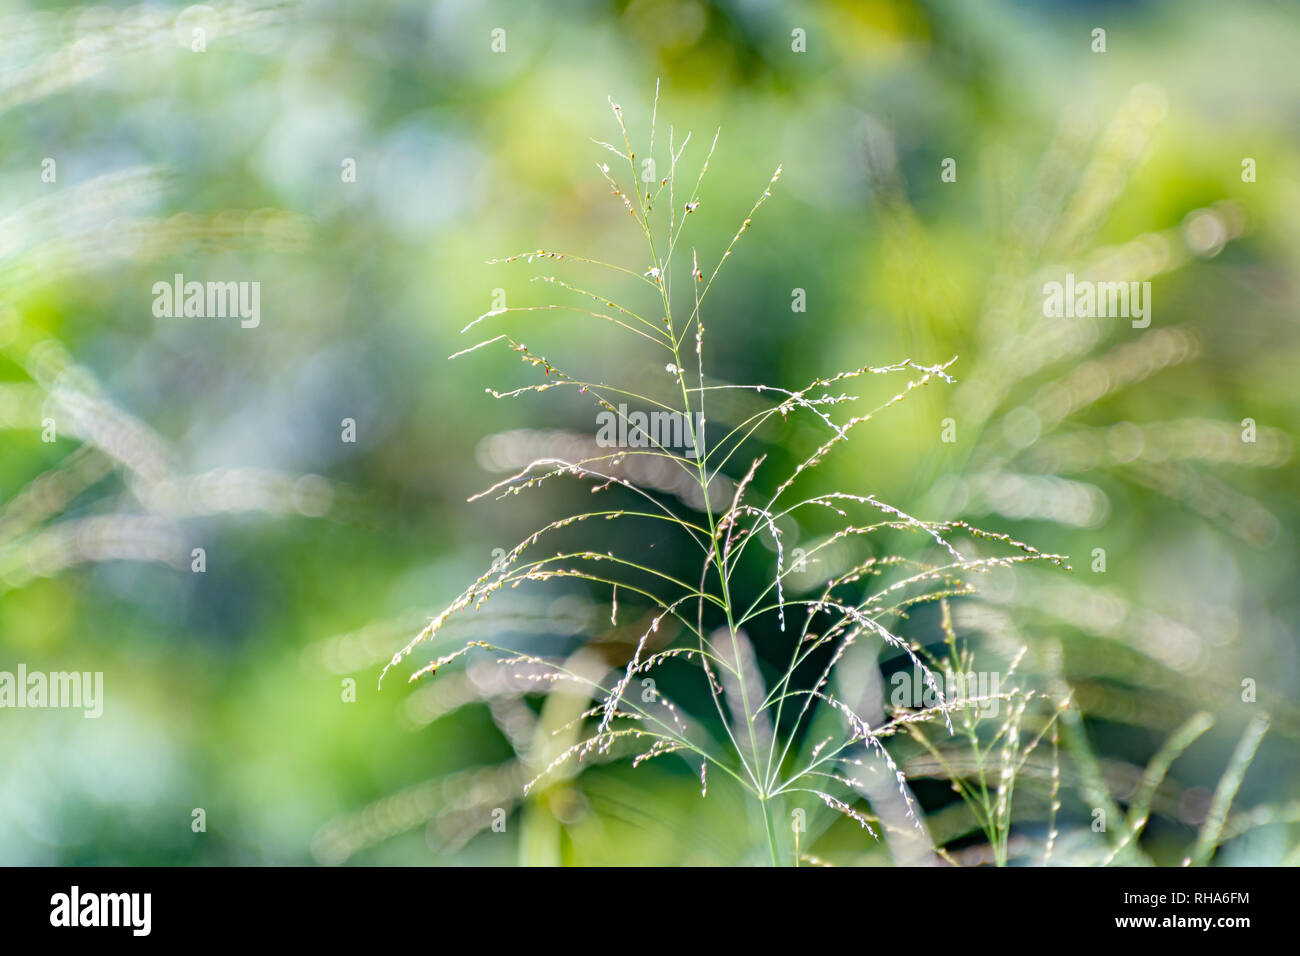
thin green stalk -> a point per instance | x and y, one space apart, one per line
770 825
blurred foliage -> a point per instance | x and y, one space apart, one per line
224 689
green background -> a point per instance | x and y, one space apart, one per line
224 690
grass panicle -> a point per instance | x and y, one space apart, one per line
758 730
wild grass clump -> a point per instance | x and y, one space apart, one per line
758 725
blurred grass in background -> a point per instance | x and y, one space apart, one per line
223 690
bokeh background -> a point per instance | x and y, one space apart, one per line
226 690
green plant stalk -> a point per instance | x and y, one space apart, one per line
770 825
702 478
